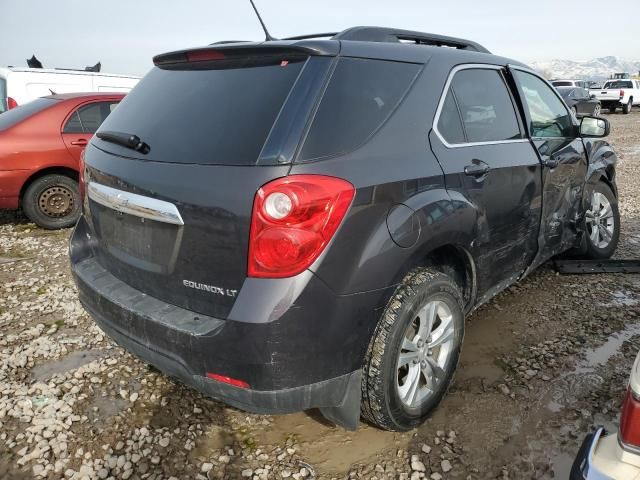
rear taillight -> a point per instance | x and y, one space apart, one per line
621 93
228 380
293 219
11 103
630 420
204 55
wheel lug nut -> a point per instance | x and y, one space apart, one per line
423 364
415 362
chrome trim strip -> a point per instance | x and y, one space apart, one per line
443 96
134 204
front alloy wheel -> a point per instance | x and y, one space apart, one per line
602 223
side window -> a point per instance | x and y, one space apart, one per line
88 118
450 123
549 116
73 125
361 95
488 114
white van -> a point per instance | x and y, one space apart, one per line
21 85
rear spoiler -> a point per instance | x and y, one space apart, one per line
231 51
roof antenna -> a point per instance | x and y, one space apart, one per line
267 35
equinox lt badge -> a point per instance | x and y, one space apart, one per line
225 292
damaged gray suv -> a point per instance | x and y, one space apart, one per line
304 223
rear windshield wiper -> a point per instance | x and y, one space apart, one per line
126 140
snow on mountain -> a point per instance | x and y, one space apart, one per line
596 69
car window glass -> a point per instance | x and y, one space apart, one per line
212 116
88 118
487 111
73 125
16 115
450 123
360 96
548 114
618 84
92 116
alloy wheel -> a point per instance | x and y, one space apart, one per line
600 221
427 346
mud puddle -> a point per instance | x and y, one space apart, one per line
74 360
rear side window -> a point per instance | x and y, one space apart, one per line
11 117
449 123
488 114
88 118
361 95
562 84
612 85
215 116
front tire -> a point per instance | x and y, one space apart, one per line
597 110
602 223
52 202
414 351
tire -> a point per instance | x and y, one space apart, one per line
626 109
600 245
52 202
597 110
382 404
613 109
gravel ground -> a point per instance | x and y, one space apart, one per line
541 365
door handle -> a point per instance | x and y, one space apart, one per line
551 162
477 169
80 142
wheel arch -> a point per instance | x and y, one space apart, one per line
455 261
66 171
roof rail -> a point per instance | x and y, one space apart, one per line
312 35
382 34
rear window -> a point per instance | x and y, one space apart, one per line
3 95
562 84
612 85
11 117
359 98
204 116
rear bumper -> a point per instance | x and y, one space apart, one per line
611 102
308 357
583 467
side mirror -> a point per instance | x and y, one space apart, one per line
592 96
594 127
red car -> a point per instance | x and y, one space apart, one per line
40 146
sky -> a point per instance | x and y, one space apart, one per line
125 34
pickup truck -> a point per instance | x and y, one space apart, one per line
623 93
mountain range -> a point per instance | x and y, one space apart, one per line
596 69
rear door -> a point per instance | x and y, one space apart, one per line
83 122
480 144
174 221
554 133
